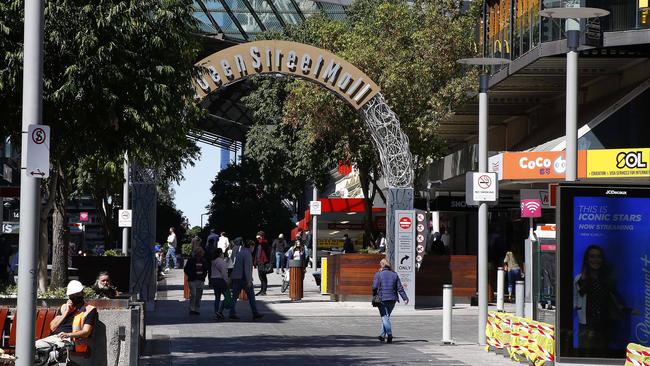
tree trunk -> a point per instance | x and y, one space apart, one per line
59 235
44 243
60 248
364 180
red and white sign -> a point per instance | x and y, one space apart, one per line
83 216
482 187
405 223
531 208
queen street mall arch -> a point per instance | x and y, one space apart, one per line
324 68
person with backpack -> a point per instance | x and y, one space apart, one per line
196 269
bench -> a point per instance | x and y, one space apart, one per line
44 317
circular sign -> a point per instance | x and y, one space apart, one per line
418 258
484 181
420 227
405 223
420 217
420 249
420 238
38 136
126 215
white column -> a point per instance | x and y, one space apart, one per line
314 231
447 305
500 288
125 204
573 34
482 211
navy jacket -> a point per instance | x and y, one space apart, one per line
389 285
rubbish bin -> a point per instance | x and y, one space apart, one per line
295 280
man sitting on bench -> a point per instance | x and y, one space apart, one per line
74 322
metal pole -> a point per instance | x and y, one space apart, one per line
125 204
572 100
482 210
29 187
519 297
447 305
500 279
314 232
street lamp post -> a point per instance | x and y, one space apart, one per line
482 208
204 214
572 16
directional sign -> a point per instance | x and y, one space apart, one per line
38 151
405 249
124 218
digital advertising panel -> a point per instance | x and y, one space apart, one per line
604 253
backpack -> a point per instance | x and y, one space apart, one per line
210 247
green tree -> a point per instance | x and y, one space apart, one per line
409 50
116 78
241 205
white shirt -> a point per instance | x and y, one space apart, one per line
171 239
223 243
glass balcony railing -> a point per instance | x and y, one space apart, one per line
510 28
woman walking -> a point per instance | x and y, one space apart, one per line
263 261
218 281
387 285
511 266
196 269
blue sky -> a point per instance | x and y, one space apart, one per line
193 194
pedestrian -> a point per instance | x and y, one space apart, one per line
196 243
218 281
381 243
279 247
171 249
242 278
223 241
233 248
348 246
196 270
211 245
511 266
262 261
103 286
387 285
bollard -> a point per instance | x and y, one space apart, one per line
519 296
447 304
500 286
295 280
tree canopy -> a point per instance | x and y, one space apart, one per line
117 78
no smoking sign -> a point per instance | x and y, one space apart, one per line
482 187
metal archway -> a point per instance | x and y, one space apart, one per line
340 77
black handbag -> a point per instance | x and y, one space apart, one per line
376 298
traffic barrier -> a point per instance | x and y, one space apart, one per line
637 355
521 338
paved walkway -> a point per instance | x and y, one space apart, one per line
314 331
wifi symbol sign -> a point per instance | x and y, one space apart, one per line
531 208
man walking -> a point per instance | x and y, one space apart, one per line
242 278
171 250
279 248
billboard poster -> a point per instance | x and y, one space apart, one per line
605 254
405 227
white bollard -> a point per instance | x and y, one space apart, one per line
500 288
447 304
519 295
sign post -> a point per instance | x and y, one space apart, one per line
30 184
405 262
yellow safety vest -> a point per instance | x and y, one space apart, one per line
80 344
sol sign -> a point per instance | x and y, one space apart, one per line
618 163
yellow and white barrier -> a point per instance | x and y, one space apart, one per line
637 355
522 338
